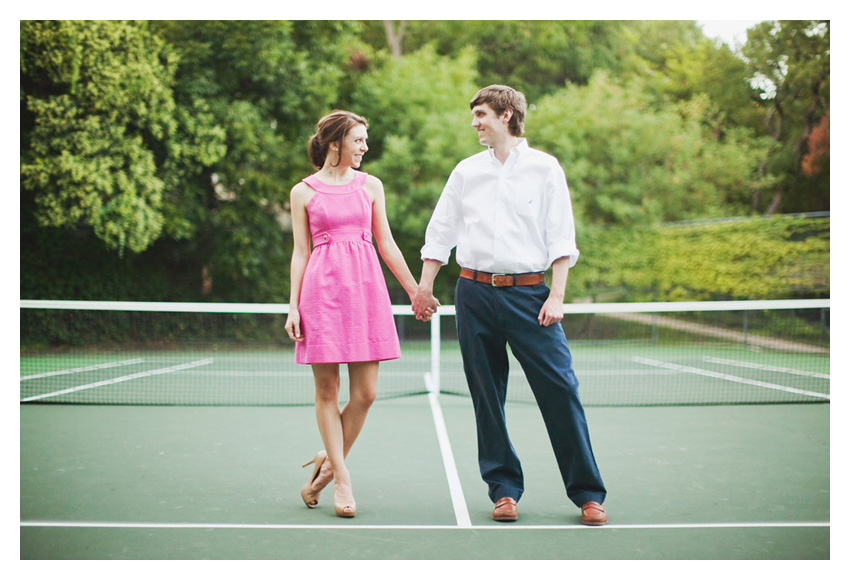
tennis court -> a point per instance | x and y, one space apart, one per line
709 449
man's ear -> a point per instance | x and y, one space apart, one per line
506 116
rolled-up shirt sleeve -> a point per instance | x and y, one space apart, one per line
560 224
441 234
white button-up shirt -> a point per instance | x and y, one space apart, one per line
504 219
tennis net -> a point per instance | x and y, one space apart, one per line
238 354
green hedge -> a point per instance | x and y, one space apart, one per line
763 258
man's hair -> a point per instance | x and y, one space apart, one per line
501 98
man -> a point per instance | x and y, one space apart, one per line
508 212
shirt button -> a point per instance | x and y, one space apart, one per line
327 237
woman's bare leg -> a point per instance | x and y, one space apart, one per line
339 429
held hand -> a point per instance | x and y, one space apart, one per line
424 308
293 326
432 307
424 304
552 312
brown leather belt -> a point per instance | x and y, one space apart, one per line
503 279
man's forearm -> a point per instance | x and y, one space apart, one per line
429 274
560 272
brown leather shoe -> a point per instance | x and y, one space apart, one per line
505 510
593 514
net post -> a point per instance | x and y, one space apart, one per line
435 353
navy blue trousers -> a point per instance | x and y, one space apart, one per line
489 318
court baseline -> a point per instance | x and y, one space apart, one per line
207 526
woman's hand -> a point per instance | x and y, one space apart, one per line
293 326
424 304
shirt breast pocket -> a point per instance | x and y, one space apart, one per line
525 204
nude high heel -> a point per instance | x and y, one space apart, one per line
347 510
308 494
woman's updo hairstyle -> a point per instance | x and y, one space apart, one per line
332 128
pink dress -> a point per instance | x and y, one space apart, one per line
345 308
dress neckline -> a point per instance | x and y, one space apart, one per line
355 184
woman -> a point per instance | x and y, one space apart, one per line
339 308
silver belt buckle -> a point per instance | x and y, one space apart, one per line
493 279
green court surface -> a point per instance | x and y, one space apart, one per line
713 482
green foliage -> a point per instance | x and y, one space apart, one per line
99 99
614 260
777 257
737 259
789 66
265 83
157 157
536 57
684 64
418 111
630 161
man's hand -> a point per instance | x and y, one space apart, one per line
424 304
553 308
552 311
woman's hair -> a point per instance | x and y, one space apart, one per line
500 98
332 128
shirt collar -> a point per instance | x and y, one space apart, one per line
515 153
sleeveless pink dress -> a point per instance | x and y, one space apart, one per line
345 308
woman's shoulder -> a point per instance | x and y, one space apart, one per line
301 191
301 187
370 180
372 186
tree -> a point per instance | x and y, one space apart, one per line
633 162
789 65
266 83
630 160
102 138
536 57
157 158
817 159
418 111
681 63
395 36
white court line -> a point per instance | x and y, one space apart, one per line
582 373
499 527
630 373
746 365
458 500
122 379
244 373
726 377
122 363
